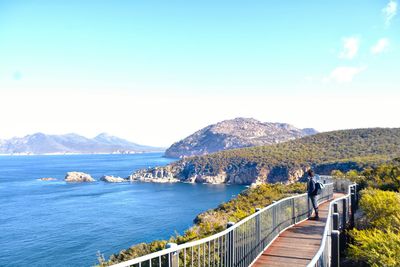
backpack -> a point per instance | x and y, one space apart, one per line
318 187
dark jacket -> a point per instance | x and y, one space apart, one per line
311 186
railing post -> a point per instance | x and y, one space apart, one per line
274 217
335 221
353 206
356 196
293 212
231 246
335 260
173 259
344 223
258 230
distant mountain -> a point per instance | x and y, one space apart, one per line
236 133
40 143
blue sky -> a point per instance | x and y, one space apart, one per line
138 66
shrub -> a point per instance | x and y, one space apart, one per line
376 247
378 243
381 209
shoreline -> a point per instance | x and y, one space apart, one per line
71 154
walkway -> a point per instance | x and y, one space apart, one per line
297 245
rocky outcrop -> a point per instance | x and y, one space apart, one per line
155 175
47 179
78 177
113 179
236 133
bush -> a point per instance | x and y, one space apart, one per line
381 209
376 247
378 242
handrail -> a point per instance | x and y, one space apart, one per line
240 244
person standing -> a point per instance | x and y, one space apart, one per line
312 191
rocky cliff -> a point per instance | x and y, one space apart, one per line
249 174
236 133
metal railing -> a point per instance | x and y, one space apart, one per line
241 243
340 216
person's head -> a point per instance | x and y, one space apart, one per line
310 173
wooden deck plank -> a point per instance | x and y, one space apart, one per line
297 245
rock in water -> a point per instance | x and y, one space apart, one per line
47 179
112 179
78 177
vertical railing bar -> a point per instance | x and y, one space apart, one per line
204 254
209 253
225 250
184 257
218 256
214 253
192 257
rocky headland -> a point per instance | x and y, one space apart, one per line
284 162
78 177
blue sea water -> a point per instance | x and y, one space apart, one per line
52 223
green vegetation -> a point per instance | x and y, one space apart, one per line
377 241
215 220
358 148
386 176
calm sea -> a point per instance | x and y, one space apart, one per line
51 223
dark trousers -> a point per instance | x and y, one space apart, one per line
314 203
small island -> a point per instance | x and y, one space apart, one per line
78 177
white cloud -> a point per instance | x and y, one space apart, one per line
344 74
380 46
350 47
389 11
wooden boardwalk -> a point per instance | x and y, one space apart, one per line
297 245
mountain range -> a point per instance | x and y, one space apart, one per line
40 143
235 133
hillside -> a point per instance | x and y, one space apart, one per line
40 143
285 162
236 133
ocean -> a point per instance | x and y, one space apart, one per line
52 223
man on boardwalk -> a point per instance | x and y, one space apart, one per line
312 191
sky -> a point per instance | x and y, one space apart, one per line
154 72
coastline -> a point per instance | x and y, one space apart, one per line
72 153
